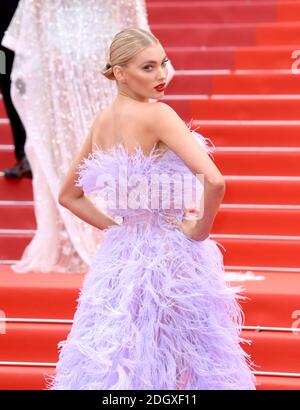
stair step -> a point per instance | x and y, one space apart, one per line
197 83
250 133
241 162
260 252
13 245
257 222
24 377
31 342
234 108
222 1
3 113
228 221
273 300
273 296
7 158
261 191
15 189
28 342
5 129
215 12
278 34
238 191
258 162
17 217
234 83
277 383
223 12
274 351
240 251
33 378
206 1
32 295
217 35
263 57
230 57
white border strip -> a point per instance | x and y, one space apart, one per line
239 72
245 148
269 237
47 364
288 48
250 177
255 328
32 364
259 206
189 97
278 374
280 269
256 149
35 320
16 203
262 177
216 3
271 329
253 123
225 206
217 236
228 268
6 147
17 231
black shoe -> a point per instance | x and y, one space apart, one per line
21 169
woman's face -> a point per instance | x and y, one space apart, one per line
144 72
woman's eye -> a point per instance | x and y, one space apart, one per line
147 66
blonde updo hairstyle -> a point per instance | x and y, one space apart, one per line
125 45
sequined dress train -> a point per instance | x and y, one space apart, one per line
60 47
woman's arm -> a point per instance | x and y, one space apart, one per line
73 198
170 129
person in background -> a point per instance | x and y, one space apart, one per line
57 88
22 167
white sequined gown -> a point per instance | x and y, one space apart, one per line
57 88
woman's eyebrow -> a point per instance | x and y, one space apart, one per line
152 61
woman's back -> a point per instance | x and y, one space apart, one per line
128 123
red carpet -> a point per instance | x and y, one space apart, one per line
235 81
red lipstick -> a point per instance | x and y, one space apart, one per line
160 87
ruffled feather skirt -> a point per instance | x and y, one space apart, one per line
155 312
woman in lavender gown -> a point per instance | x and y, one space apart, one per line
154 311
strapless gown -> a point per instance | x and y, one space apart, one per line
155 310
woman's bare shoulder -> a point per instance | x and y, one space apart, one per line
101 115
100 120
164 118
163 112
160 107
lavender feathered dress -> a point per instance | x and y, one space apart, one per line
155 308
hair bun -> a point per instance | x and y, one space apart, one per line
108 72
